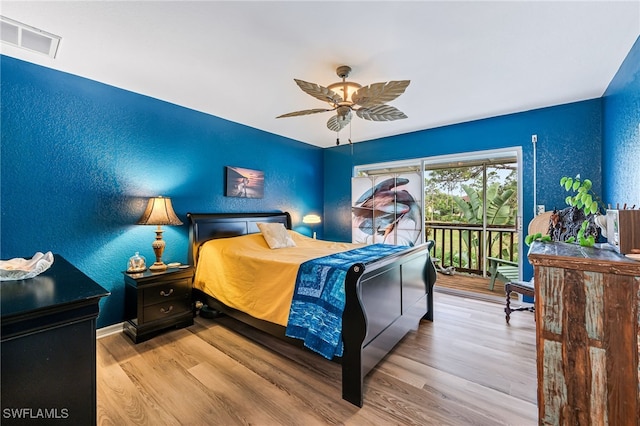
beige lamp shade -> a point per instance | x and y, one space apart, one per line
159 211
311 218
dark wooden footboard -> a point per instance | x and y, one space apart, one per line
384 299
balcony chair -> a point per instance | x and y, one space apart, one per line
503 268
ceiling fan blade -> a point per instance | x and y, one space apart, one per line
379 93
381 113
319 92
339 122
305 112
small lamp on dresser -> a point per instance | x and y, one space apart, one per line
159 212
311 219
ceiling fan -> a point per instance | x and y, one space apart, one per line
344 97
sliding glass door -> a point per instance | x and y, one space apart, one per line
471 210
467 203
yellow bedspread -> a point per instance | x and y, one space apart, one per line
245 274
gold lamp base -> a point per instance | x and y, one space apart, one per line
158 248
157 267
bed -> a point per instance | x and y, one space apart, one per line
384 300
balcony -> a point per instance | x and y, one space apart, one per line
466 247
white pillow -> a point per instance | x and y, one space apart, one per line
276 235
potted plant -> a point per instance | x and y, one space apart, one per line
582 198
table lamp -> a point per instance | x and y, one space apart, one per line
159 212
312 219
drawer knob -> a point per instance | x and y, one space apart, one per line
166 311
165 294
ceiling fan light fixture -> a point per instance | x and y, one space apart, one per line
345 89
345 97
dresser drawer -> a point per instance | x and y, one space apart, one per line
170 290
166 309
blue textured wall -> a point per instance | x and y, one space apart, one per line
569 141
79 160
621 141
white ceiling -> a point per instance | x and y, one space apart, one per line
237 59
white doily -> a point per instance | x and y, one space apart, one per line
21 269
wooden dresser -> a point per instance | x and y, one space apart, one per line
48 347
588 335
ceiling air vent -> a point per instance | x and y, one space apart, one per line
27 37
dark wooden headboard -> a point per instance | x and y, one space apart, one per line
208 226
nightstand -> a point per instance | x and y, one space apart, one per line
156 301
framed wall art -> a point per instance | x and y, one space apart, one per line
244 183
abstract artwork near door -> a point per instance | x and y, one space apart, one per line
387 209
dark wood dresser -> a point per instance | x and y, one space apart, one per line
588 335
48 347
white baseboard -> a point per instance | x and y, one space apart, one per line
109 330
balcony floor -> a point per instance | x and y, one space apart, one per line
471 285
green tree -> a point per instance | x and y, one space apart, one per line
448 180
498 212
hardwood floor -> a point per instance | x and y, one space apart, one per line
467 367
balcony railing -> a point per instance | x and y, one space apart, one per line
466 246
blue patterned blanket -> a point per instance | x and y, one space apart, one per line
319 297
